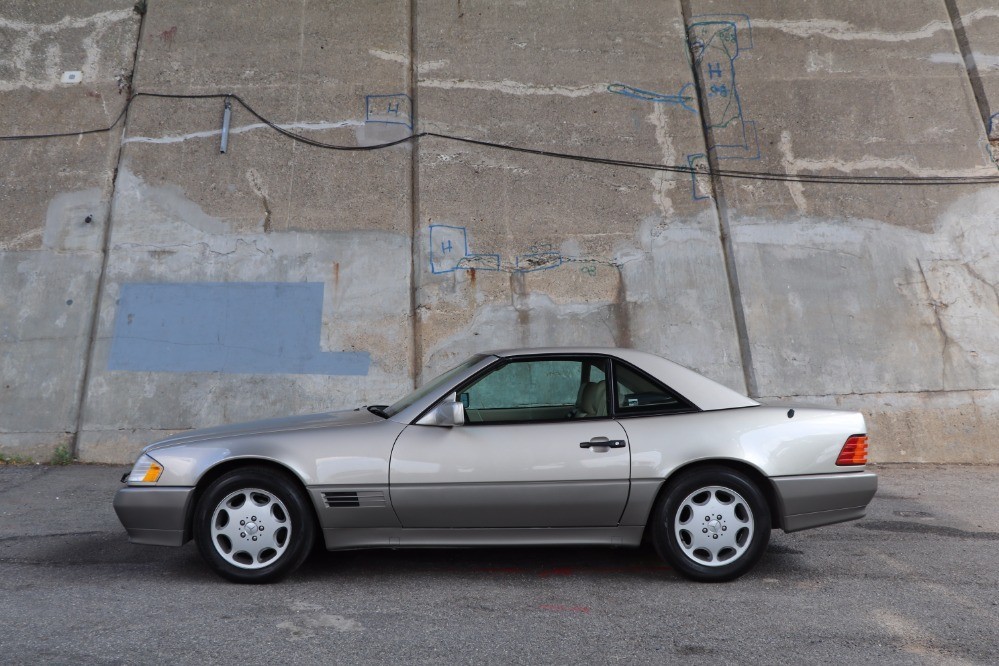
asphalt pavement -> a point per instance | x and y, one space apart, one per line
917 581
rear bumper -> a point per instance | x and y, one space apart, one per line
155 516
823 499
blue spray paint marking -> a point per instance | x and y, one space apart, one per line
448 246
685 98
394 109
715 42
698 162
993 123
449 252
240 327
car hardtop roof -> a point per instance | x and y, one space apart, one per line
707 394
540 351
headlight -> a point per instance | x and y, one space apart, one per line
146 470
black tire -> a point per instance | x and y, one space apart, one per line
271 545
723 543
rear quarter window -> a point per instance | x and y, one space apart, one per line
637 393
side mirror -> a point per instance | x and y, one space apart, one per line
447 413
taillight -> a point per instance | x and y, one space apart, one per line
854 451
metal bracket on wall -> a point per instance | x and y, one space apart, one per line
226 115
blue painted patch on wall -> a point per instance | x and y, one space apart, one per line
228 327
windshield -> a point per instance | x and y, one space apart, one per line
433 385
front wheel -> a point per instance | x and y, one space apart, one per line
712 524
254 525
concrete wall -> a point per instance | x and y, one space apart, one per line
152 284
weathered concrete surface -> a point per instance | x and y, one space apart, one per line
859 290
877 298
563 252
54 199
269 210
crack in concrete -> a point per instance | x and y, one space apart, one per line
41 338
981 278
258 187
203 245
621 312
938 305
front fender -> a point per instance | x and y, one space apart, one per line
346 455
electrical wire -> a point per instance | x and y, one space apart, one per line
680 169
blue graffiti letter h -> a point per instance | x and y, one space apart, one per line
714 69
393 108
446 247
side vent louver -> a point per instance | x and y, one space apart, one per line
353 499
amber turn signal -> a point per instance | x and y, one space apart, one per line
854 451
146 470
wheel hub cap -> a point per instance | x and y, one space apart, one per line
251 528
714 526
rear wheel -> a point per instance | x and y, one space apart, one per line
254 525
712 524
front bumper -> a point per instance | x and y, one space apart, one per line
823 499
155 516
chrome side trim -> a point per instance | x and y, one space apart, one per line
352 538
823 499
154 516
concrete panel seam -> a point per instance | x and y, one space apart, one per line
972 73
106 251
721 209
416 352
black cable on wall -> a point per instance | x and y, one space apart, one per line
672 168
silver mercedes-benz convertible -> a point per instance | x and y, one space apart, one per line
511 448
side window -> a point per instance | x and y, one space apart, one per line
538 390
637 393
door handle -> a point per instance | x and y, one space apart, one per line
609 443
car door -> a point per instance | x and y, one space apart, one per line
537 449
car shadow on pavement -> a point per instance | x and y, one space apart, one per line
475 562
98 549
